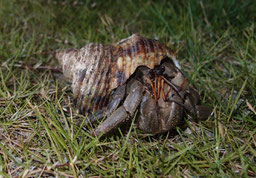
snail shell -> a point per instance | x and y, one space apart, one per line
96 69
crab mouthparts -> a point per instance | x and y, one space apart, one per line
158 87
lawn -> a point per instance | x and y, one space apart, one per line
215 43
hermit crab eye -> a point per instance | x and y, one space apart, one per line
159 70
162 68
151 74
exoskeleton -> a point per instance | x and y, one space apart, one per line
135 73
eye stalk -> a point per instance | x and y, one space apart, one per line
159 70
151 74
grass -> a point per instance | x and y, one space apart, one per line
215 43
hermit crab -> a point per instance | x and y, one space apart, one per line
136 73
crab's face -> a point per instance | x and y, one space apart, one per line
163 112
161 95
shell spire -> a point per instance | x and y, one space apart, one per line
95 70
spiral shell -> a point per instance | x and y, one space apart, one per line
96 69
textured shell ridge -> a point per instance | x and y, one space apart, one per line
96 69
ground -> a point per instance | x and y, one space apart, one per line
215 43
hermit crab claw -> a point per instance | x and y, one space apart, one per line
192 105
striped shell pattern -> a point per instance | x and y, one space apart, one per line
96 69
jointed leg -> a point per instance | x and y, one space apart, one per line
116 98
131 103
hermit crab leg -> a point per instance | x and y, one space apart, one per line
170 83
172 86
120 115
111 122
117 97
158 86
153 88
162 90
